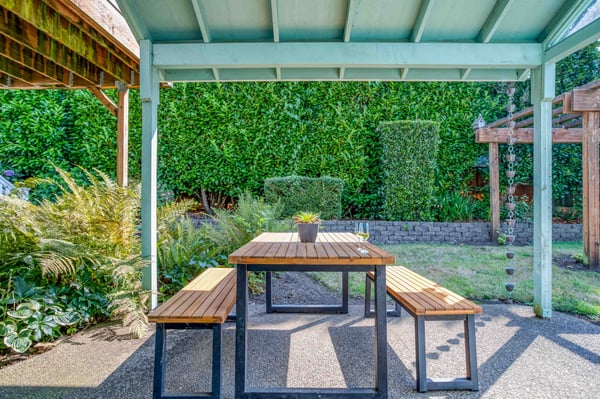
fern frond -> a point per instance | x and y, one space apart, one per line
62 257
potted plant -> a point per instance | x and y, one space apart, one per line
308 226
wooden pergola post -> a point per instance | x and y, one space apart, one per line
585 101
122 134
121 112
591 189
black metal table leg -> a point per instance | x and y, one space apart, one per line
381 383
241 340
242 391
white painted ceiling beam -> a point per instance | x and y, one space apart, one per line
562 21
349 18
578 40
316 55
349 74
421 22
275 19
494 20
206 36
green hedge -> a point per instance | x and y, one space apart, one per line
227 138
409 150
321 195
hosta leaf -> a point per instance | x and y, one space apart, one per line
67 318
18 342
50 321
6 329
37 333
22 313
33 304
47 329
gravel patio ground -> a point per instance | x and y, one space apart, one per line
519 356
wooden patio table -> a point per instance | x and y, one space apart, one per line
333 252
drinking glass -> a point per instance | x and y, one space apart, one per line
361 230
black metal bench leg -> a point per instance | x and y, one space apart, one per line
160 347
368 282
345 292
269 292
216 361
471 352
420 349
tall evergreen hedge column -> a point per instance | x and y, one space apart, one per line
409 150
149 94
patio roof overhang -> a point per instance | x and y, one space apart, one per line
422 40
376 40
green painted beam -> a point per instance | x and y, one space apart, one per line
349 20
578 40
349 74
275 19
562 21
149 94
319 55
206 36
421 22
494 20
542 94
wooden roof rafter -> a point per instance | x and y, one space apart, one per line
42 72
59 45
11 82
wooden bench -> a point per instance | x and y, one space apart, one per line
205 303
426 300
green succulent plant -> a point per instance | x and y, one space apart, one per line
306 217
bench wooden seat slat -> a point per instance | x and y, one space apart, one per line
450 298
424 297
207 299
427 300
204 303
221 306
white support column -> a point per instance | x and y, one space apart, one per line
149 93
542 93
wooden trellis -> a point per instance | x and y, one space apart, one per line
576 120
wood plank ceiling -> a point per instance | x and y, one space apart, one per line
65 44
359 40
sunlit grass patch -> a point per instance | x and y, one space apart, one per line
478 272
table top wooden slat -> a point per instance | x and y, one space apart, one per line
330 248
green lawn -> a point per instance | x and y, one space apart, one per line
477 272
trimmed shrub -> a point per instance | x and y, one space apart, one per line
321 195
409 150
